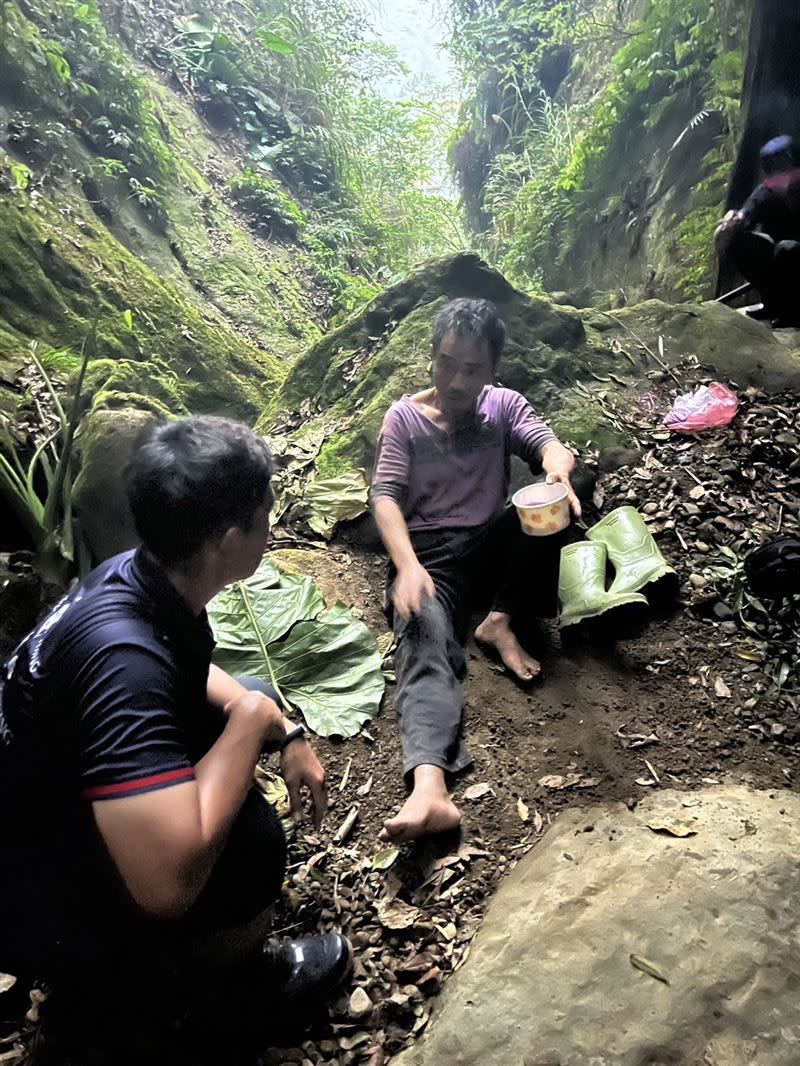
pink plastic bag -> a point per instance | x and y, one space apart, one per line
706 407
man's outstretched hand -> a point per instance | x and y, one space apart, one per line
412 587
300 767
729 225
574 502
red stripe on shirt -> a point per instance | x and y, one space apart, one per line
123 788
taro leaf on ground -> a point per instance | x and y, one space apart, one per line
336 499
331 669
274 603
328 665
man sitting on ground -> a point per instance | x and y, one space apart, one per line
438 494
137 860
763 238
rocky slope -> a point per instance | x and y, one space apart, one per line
599 141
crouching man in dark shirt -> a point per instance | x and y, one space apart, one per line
137 861
762 239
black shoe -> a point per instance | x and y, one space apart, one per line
308 971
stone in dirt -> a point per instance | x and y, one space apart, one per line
550 979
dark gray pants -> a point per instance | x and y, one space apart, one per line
495 566
773 268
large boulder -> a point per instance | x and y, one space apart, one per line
619 943
104 445
348 379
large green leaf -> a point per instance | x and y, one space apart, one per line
327 666
273 42
273 603
331 669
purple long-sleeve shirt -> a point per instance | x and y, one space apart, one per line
444 480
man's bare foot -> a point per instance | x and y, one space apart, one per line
429 809
495 630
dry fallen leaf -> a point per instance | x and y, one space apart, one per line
363 790
648 967
394 914
538 821
636 740
418 964
468 852
448 930
561 781
675 829
722 689
348 1043
475 792
522 810
558 780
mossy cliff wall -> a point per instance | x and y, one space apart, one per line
113 198
606 181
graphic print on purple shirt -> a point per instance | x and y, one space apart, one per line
443 480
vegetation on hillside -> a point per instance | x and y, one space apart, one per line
531 157
300 82
292 88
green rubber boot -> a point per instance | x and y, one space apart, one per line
582 585
637 559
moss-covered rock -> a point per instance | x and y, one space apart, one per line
104 446
735 347
354 373
566 362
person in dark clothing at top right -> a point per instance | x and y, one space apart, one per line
762 239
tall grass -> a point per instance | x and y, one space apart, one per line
40 492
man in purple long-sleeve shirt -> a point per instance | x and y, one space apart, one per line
438 494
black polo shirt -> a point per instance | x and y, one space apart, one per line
105 698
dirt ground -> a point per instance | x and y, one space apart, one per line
704 691
607 722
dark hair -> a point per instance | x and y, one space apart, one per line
778 155
471 318
191 480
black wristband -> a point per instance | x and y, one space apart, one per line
298 731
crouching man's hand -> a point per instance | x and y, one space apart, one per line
301 768
728 227
263 712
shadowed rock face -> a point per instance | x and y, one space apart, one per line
615 943
348 380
